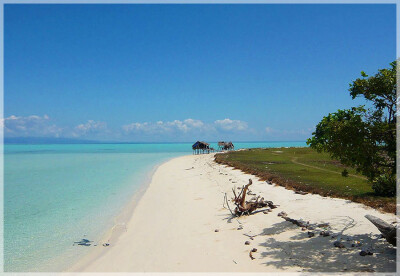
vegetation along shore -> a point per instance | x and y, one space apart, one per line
352 152
306 170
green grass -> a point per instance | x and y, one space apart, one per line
307 170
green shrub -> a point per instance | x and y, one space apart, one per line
385 185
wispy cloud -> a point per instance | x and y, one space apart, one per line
175 130
32 125
161 127
43 126
185 127
231 125
269 130
90 128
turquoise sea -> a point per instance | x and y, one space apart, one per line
57 194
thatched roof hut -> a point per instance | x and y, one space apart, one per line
200 145
225 145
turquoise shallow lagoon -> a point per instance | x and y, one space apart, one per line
57 194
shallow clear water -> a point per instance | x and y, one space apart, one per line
57 194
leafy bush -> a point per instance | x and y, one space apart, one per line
362 138
385 185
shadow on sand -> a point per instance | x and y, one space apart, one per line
285 245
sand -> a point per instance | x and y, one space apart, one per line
172 228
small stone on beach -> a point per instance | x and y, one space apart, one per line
338 244
216 230
356 244
365 252
282 214
324 233
247 243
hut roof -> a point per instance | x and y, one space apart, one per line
223 143
200 144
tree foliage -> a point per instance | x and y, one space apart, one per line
365 138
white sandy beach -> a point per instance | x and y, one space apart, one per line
172 228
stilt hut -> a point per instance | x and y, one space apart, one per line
229 146
225 145
200 147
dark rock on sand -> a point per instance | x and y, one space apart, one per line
366 252
282 214
324 233
339 244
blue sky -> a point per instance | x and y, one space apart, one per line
187 72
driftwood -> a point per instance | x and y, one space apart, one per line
251 236
244 207
388 231
251 253
297 222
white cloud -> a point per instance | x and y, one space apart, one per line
194 123
269 130
188 129
32 125
136 127
159 127
231 125
91 127
184 127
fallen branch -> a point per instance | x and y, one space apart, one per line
388 231
244 207
299 223
251 255
227 204
251 236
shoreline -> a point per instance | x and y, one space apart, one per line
120 220
171 228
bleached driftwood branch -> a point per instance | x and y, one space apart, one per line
388 231
244 207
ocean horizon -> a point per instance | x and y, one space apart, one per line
57 194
